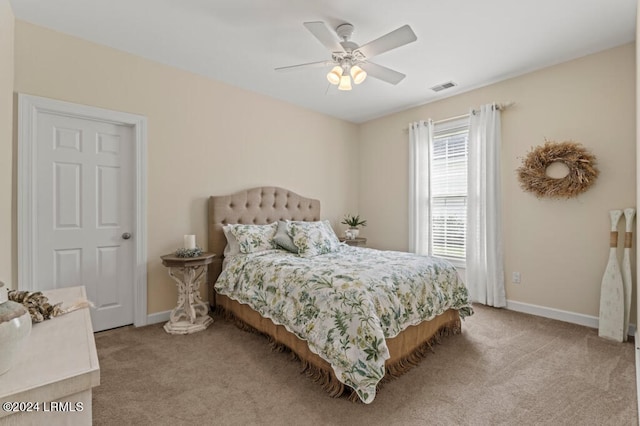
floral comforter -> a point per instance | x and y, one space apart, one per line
345 303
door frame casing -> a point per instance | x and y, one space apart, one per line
28 108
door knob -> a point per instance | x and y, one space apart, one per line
126 236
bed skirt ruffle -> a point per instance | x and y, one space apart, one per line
406 350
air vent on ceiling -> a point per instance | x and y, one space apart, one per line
443 86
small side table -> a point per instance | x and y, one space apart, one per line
192 313
356 242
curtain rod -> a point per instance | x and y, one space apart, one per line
457 117
500 106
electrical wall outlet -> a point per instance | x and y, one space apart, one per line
515 277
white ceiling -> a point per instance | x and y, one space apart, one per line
240 42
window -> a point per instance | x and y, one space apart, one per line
448 184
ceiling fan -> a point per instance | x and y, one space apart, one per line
349 59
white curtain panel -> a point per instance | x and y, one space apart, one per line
420 136
485 267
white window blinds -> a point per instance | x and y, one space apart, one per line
449 189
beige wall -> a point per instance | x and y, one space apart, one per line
204 137
6 145
559 246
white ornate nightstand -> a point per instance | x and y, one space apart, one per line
192 313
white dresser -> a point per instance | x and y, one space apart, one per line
57 369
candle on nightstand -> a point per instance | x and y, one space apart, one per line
189 241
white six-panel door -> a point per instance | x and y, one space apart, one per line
84 197
83 185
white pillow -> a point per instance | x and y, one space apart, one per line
313 238
232 248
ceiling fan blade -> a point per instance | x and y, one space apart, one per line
382 73
400 37
318 64
324 35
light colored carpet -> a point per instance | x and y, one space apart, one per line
506 368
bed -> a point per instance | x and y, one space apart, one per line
371 363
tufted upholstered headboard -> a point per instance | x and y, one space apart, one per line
262 205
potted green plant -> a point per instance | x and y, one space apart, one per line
354 222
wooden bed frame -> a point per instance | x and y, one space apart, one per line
265 205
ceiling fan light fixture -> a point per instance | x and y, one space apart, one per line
346 55
345 83
334 76
358 74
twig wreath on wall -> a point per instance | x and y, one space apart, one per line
580 162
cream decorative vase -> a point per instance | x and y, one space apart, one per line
355 232
629 214
15 327
611 323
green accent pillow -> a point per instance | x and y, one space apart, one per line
283 239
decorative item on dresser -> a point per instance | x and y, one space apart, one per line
355 242
15 327
58 367
288 275
192 313
39 307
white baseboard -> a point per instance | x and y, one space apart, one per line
158 317
557 314
512 305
